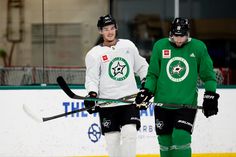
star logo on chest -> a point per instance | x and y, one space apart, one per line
118 69
177 69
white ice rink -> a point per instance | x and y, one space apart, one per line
79 135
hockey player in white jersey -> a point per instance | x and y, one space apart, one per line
111 67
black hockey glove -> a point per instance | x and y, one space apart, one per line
210 103
88 103
143 98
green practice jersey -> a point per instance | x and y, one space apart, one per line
173 72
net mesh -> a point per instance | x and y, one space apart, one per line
16 76
219 78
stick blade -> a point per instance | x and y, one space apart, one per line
31 114
62 83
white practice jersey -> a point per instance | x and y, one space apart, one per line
110 71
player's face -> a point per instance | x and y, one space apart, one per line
109 33
179 40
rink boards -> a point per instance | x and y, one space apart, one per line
79 134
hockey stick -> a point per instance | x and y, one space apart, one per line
44 119
31 114
62 83
176 106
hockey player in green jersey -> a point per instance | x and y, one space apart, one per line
175 65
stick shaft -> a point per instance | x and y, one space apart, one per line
84 109
62 83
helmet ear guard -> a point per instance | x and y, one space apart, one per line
105 21
180 27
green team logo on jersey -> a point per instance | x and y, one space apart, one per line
177 69
118 69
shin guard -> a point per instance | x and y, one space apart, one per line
165 142
181 143
128 140
113 143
